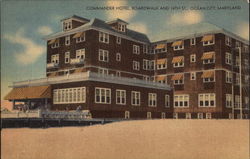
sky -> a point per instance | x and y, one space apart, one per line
25 23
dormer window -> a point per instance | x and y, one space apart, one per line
67 25
121 27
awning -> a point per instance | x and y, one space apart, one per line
208 55
207 74
53 74
78 70
177 59
77 35
177 77
53 41
207 38
160 46
177 43
161 61
34 92
160 78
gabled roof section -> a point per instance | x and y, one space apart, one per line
194 30
116 20
77 18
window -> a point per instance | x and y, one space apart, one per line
152 65
237 61
245 49
80 54
229 77
179 47
230 116
81 38
228 58
145 49
69 95
118 40
237 102
228 41
103 71
135 98
178 79
136 49
200 115
121 27
67 57
152 98
237 79
179 61
207 100
167 101
136 65
162 64
120 97
247 102
67 40
181 101
127 114
192 41
149 115
208 115
208 61
55 58
175 115
118 57
237 44
229 100
208 40
188 116
103 55
160 48
55 44
163 115
193 76
103 37
102 95
67 25
208 76
246 79
118 73
192 58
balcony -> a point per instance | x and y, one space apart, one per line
52 65
76 61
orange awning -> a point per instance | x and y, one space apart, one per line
34 92
160 78
177 43
77 35
78 70
177 77
207 38
207 74
208 55
177 59
53 41
160 46
161 61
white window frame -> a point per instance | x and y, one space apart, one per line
55 44
206 43
237 79
126 114
179 64
237 61
120 95
163 115
188 116
181 100
145 49
228 40
199 115
193 41
80 54
118 40
237 102
118 73
179 47
136 49
207 80
67 25
192 58
67 40
192 75
103 37
103 71
69 95
103 55
121 27
67 57
207 97
167 101
104 98
228 58
152 99
149 115
81 38
229 100
175 115
162 66
208 115
136 65
55 58
118 56
135 98
229 77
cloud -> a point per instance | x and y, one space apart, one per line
186 18
31 50
243 30
44 30
122 14
140 27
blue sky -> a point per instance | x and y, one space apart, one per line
25 23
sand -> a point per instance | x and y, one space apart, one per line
148 139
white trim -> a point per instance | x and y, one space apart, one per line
149 115
152 99
120 96
106 95
209 97
181 99
69 95
167 101
136 94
